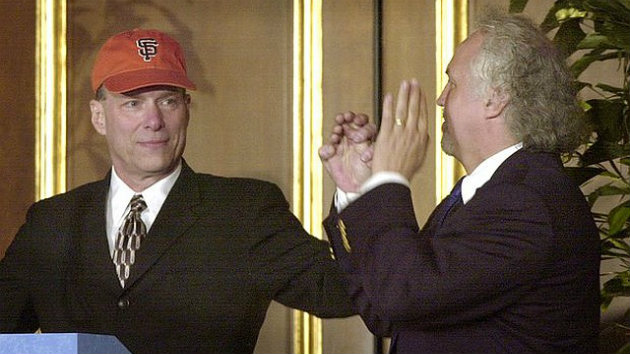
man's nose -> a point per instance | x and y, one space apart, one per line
441 98
154 118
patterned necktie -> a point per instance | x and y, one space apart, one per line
453 198
128 239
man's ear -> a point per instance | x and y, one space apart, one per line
496 102
98 117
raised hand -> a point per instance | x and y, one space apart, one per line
403 137
348 153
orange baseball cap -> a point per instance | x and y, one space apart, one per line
139 58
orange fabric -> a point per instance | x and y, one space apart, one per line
139 58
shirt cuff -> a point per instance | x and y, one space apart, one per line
343 199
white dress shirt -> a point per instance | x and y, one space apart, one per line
470 183
120 195
482 173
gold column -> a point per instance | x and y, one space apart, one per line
451 28
307 137
50 95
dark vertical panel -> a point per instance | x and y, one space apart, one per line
378 98
378 60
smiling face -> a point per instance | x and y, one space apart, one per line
463 104
145 131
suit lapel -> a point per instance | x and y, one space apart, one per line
91 251
512 169
175 217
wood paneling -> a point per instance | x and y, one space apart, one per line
17 114
347 86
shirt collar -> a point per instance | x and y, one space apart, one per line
154 195
484 172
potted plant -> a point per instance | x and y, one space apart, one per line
589 31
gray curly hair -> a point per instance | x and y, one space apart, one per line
517 59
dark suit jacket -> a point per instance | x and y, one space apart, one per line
219 251
515 270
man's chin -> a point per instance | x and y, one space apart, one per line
158 166
447 148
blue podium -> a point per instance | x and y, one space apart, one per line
61 343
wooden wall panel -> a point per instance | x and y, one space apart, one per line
347 86
408 52
17 116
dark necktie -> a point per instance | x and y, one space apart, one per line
128 239
450 201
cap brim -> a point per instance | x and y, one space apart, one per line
128 81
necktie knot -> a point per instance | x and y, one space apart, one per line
456 192
137 204
449 202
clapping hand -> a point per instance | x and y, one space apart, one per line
403 136
347 155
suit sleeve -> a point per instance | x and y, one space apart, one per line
297 268
486 255
17 313
337 233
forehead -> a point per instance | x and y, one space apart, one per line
464 54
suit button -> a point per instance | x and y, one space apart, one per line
123 303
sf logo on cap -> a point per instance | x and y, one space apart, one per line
147 48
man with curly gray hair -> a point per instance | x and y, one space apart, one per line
509 262
516 59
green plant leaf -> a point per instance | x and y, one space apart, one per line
616 11
619 284
608 190
579 175
620 245
617 91
580 85
517 6
611 19
582 63
616 246
612 175
595 41
607 116
550 22
602 151
625 349
615 287
618 217
618 36
613 190
568 36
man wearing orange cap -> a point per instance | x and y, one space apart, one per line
166 259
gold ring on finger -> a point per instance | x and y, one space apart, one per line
399 122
